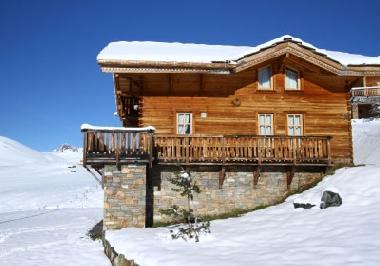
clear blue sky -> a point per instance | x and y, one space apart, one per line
49 80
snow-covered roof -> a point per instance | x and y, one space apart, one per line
204 53
126 129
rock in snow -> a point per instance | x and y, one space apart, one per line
66 147
330 199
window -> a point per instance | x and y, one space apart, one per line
184 123
295 125
266 124
291 79
265 78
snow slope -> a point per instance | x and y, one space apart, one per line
366 144
48 202
282 235
34 180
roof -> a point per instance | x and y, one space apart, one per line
154 55
205 53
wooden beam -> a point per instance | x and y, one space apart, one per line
289 177
256 175
222 176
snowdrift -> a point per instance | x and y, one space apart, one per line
366 141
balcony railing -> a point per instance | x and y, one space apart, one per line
365 91
110 146
242 149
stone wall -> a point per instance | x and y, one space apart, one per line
237 192
134 197
115 258
124 196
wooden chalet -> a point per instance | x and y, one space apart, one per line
281 103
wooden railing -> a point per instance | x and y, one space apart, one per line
242 149
102 146
110 146
365 91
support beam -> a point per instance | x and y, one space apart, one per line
289 177
256 175
222 176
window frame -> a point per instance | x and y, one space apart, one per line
301 124
271 125
298 79
259 87
190 123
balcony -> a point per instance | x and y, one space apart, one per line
365 91
131 145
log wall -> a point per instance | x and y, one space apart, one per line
233 102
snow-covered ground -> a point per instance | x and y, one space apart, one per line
366 144
282 235
47 205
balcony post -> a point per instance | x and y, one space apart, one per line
84 148
328 151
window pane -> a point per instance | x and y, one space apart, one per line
187 129
290 120
291 131
187 118
181 129
181 118
262 130
291 79
261 119
268 130
264 77
297 131
297 120
268 120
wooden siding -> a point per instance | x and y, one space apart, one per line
323 101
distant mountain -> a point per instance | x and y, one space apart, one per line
66 147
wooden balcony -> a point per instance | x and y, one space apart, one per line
110 146
242 149
103 147
365 91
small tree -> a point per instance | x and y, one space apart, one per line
192 226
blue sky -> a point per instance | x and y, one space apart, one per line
49 80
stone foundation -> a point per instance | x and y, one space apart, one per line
238 190
134 197
124 196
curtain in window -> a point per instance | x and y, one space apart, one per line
265 124
294 125
264 77
184 124
291 79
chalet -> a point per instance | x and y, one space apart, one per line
249 122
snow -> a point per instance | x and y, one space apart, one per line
282 235
366 144
204 53
48 202
126 129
